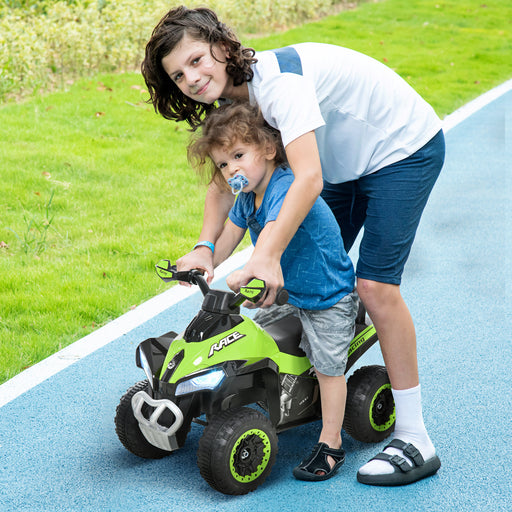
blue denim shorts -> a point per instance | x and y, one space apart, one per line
388 204
326 333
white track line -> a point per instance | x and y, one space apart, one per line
55 363
452 120
41 371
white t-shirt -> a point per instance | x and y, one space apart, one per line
365 116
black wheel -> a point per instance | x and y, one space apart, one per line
370 409
127 427
237 450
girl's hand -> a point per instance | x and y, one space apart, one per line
264 268
200 258
234 283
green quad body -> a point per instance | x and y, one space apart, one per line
245 384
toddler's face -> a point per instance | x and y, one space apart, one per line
247 160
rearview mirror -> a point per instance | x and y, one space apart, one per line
165 270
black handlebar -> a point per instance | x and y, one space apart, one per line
197 278
282 297
168 272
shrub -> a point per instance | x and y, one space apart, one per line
51 43
46 44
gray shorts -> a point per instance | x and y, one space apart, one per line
326 334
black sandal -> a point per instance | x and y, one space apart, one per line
308 469
404 473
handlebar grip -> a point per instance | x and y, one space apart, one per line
282 297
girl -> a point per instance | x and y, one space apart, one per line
237 147
350 126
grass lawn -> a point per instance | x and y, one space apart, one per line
96 188
450 51
123 197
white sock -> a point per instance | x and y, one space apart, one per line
409 428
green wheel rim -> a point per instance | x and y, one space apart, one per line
250 456
378 408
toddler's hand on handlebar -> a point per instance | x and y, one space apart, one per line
201 258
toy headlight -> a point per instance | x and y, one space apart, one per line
208 380
145 366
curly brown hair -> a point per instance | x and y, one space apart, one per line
201 24
224 127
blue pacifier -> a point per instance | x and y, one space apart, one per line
237 183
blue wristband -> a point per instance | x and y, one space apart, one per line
206 243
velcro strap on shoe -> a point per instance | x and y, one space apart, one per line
409 451
400 463
396 443
337 455
414 454
317 461
395 460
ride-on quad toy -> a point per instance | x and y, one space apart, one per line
244 384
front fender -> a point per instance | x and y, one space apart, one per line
155 350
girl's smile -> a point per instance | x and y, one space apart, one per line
203 88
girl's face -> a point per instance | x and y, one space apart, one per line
251 161
198 75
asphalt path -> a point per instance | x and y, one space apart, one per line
59 450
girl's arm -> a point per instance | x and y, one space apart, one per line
232 279
217 204
264 263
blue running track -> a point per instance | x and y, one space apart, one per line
59 451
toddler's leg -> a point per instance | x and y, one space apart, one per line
333 392
327 455
326 340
